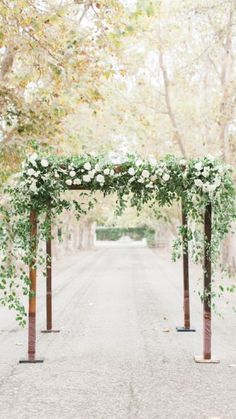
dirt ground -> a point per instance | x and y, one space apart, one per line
118 355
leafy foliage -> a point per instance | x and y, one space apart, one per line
39 187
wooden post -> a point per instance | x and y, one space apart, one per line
207 358
186 297
207 285
49 279
32 295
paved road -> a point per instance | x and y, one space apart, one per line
114 358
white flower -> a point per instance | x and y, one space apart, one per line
100 178
198 183
33 157
153 178
56 175
209 187
131 171
44 163
86 178
77 181
152 161
145 173
210 157
92 173
183 162
206 171
97 167
69 182
217 182
33 187
221 170
112 172
149 185
138 162
31 172
198 166
106 172
72 173
194 199
166 177
87 166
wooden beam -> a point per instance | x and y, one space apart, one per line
186 296
49 328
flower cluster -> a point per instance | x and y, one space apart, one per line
196 182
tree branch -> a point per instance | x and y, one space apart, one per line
177 134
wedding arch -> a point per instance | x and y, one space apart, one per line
204 187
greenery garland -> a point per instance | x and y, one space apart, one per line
43 179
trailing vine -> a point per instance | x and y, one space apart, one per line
43 180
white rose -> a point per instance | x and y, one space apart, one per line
152 161
44 163
210 157
77 182
56 175
198 166
206 172
92 173
217 182
194 199
87 166
33 157
205 187
221 170
97 167
153 178
72 173
131 171
86 178
209 188
31 172
100 178
69 182
33 187
106 172
166 177
198 183
145 173
138 162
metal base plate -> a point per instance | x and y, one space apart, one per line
50 331
31 361
183 329
201 360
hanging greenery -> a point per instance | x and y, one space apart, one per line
39 187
